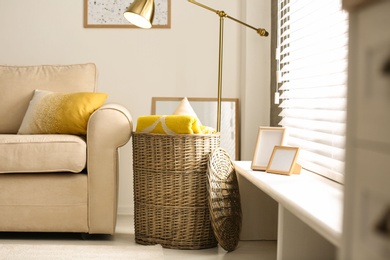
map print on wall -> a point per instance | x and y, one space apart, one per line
109 14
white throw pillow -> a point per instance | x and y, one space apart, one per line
185 108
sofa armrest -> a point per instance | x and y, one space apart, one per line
109 128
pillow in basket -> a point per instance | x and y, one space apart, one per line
185 108
60 113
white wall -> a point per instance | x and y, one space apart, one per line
136 64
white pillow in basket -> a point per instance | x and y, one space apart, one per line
185 108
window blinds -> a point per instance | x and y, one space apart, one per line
312 51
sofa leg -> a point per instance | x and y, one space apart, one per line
87 236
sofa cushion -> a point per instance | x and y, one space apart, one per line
17 85
42 153
60 113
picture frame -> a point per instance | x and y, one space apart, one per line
283 160
267 139
109 14
205 109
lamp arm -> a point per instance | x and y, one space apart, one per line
260 31
204 6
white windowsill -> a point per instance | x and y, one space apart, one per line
315 200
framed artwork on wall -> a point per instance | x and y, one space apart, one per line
109 14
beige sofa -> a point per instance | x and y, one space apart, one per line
58 182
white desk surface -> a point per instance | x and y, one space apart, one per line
315 200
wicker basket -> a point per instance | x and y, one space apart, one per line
224 199
170 192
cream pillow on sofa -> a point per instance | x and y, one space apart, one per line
60 113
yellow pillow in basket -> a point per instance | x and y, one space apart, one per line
60 113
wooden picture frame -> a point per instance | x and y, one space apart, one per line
109 14
267 139
283 160
206 110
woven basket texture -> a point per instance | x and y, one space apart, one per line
224 200
170 190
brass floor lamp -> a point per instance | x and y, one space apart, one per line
141 12
222 15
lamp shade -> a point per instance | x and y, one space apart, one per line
140 13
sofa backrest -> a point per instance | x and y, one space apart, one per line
17 85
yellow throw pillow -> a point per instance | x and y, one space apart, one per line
60 113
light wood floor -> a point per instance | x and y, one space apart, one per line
246 250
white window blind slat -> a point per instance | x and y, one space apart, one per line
323 165
301 92
310 103
313 71
315 114
313 40
331 152
320 126
315 136
329 53
314 82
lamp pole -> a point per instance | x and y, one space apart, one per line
223 15
220 62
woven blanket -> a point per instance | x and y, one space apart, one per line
169 124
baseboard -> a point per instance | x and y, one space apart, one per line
125 210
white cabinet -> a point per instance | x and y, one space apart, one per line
366 233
